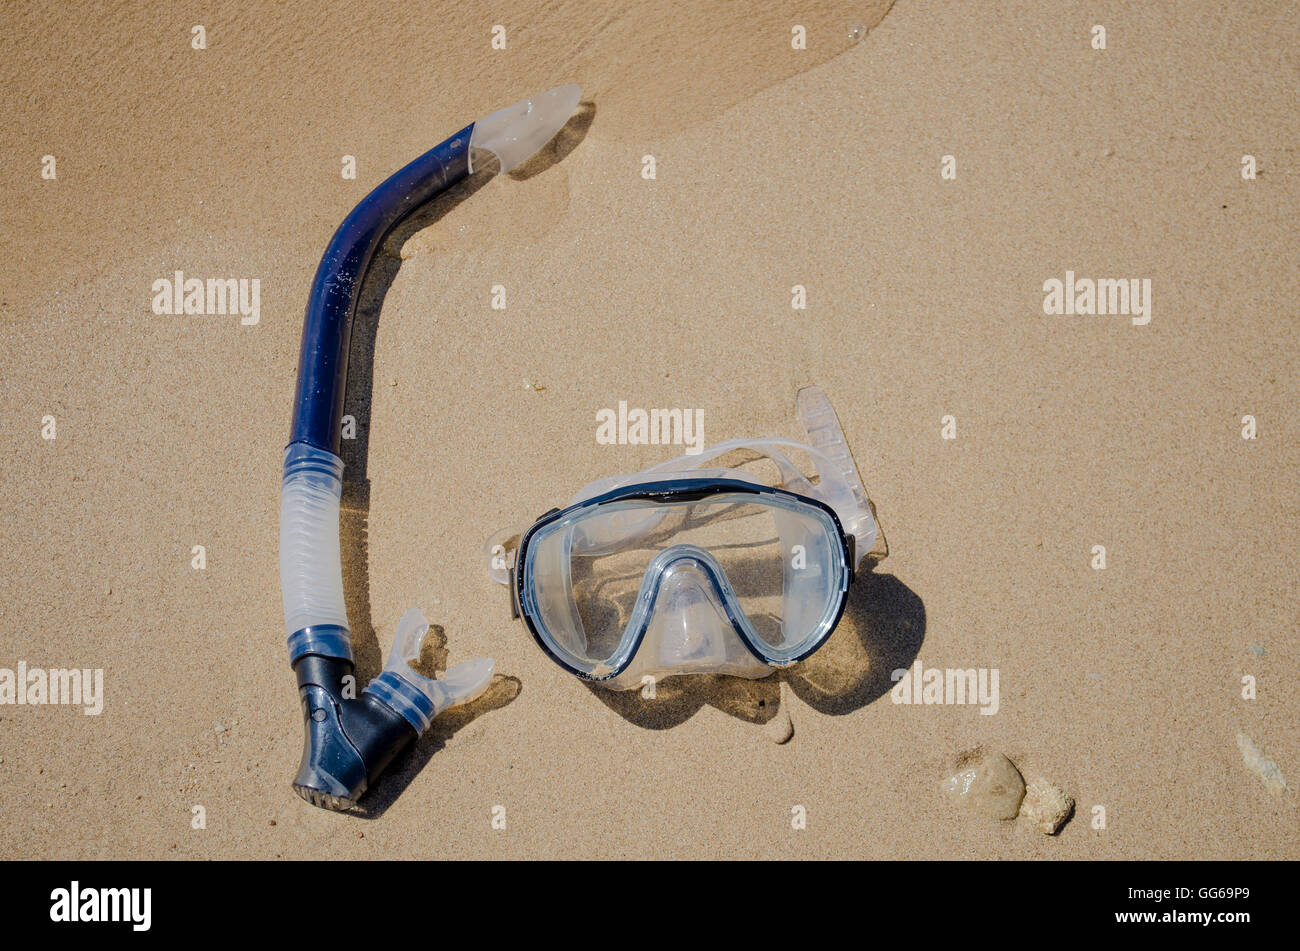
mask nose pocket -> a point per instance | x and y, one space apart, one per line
690 629
688 625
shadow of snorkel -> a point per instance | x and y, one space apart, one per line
351 738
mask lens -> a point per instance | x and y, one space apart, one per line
779 563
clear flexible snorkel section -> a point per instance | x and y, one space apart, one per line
350 739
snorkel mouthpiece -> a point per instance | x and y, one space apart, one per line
349 739
416 698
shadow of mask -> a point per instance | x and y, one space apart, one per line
881 630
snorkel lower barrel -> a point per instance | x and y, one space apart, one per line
350 739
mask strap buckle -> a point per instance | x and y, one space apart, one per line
500 552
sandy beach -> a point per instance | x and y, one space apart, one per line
923 170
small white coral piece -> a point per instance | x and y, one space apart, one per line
1046 806
1258 762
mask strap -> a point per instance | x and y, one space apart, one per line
839 484
840 480
687 464
791 477
501 550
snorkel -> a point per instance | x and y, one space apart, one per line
350 739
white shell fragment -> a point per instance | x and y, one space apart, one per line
1258 762
780 728
988 785
1046 806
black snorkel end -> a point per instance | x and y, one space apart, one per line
348 740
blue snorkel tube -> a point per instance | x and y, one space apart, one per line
350 739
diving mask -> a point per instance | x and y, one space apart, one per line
687 570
